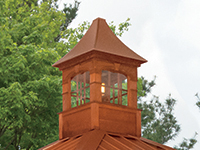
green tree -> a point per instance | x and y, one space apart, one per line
158 121
30 89
187 143
33 36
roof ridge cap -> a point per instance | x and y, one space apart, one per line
97 31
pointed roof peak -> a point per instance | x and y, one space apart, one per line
99 18
100 37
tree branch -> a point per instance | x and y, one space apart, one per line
10 143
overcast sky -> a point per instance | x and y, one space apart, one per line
167 34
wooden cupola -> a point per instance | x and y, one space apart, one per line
99 85
100 95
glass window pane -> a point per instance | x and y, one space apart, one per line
80 89
114 88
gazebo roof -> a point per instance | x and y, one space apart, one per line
100 37
102 140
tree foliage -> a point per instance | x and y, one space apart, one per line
30 89
198 100
33 36
187 143
158 121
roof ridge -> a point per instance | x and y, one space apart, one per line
91 139
97 31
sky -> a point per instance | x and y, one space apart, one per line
167 34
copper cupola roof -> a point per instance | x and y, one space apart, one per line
100 37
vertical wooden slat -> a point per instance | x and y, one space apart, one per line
77 95
81 82
119 88
109 85
80 92
113 93
84 85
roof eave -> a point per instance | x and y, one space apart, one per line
89 54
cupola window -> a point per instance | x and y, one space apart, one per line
114 88
80 89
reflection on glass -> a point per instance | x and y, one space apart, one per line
114 88
80 89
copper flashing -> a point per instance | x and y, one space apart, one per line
100 37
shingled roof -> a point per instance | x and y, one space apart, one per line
100 37
102 140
